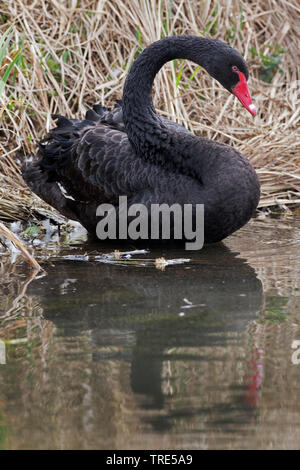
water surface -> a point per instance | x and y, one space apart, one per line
112 351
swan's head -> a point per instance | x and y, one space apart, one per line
227 66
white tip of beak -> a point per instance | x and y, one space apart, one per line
252 108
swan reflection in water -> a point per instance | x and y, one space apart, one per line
153 320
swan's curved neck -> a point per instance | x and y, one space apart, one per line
145 129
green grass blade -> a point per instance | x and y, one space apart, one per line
6 74
4 41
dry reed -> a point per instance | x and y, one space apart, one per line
77 53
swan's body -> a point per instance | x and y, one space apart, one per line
133 151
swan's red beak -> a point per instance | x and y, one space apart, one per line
242 93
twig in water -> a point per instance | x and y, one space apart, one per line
14 239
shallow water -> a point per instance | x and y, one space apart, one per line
121 353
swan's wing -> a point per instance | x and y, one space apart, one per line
106 160
82 166
91 161
102 156
114 118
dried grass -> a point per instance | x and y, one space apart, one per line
77 53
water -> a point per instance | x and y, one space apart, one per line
121 353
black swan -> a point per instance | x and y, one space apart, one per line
132 151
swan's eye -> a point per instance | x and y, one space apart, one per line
234 68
